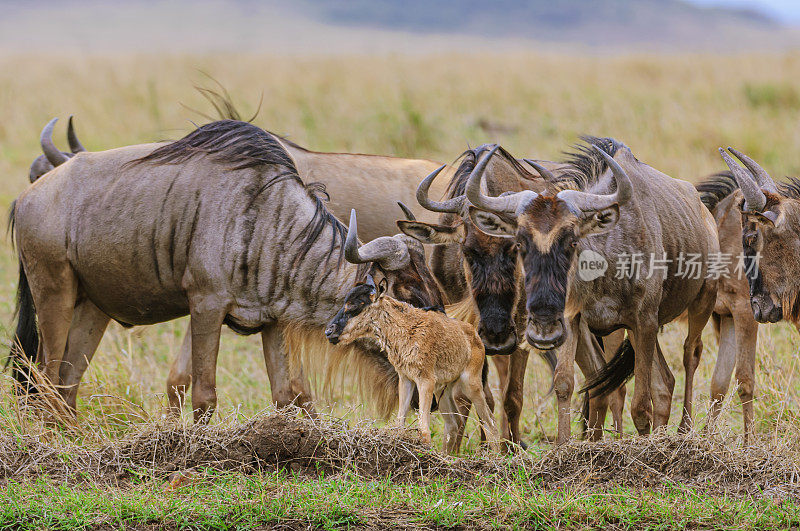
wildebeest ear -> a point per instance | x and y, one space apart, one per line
492 224
432 233
599 221
383 286
768 217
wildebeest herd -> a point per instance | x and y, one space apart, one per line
497 256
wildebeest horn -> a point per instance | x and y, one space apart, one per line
578 201
389 253
53 154
762 177
74 144
504 203
453 205
546 174
406 212
754 198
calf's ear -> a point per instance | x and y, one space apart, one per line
599 221
432 233
492 224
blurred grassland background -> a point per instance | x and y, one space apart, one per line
673 110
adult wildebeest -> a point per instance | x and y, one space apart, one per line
622 207
217 225
735 327
52 156
488 268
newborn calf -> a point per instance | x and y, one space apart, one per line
427 349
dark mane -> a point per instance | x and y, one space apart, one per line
458 184
715 188
242 145
587 165
790 188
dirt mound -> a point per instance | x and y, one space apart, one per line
287 440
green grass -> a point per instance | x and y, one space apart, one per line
224 501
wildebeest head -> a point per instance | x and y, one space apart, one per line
52 156
396 262
490 263
770 228
547 229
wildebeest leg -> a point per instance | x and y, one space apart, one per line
723 367
463 405
206 324
501 363
88 326
449 411
287 381
564 379
643 339
514 395
616 399
405 391
699 311
425 388
588 356
470 380
746 337
54 288
180 374
663 385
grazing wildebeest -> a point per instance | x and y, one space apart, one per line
493 276
217 225
437 354
734 325
52 156
621 208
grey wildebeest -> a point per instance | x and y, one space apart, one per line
734 325
429 350
353 176
489 270
621 208
217 225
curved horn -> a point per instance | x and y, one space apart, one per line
578 201
74 144
387 252
754 198
406 212
504 203
453 205
546 174
53 154
762 177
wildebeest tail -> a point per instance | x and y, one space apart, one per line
26 341
615 373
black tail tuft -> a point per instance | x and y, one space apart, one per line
26 344
616 372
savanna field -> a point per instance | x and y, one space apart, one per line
117 467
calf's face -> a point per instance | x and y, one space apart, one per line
357 299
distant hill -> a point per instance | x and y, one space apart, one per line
591 22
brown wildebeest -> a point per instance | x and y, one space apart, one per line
621 208
429 350
734 325
493 276
217 225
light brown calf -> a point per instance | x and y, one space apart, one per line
440 355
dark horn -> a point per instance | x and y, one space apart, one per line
546 174
406 211
505 203
74 144
762 177
453 205
53 154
